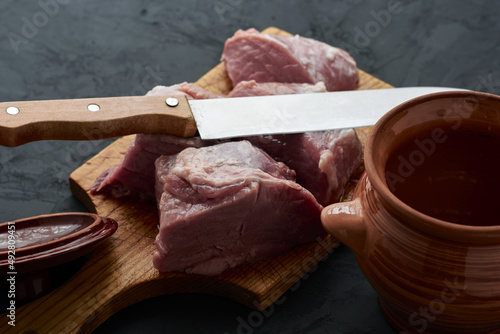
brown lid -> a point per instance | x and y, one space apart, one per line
49 240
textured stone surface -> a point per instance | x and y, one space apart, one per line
51 50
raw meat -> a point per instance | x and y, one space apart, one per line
227 204
253 88
134 175
250 55
324 161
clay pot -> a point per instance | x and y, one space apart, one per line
432 276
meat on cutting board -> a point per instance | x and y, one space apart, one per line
254 88
134 175
324 161
227 204
251 55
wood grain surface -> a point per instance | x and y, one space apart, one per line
72 120
120 272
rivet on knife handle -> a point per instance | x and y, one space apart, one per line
95 118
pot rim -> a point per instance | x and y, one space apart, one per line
417 219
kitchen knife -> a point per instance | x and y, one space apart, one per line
100 118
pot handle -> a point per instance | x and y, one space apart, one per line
345 222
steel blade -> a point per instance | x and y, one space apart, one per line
279 114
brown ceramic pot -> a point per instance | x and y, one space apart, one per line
432 276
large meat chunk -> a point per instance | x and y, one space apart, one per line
324 161
250 55
227 204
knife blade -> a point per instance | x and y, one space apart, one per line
100 118
280 114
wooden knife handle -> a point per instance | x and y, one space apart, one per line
74 120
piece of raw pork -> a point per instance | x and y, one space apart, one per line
324 161
134 176
251 55
227 204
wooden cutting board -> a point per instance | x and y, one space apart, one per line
120 272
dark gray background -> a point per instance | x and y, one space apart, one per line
124 47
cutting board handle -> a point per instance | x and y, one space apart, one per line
93 118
